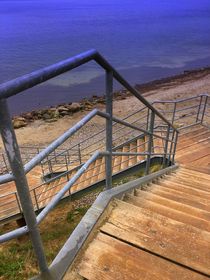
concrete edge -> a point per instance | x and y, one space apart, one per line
70 249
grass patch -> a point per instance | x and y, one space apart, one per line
17 260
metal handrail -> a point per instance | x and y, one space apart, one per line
19 171
202 105
25 82
39 157
114 153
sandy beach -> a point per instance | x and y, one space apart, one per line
41 133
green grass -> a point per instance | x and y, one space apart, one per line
17 260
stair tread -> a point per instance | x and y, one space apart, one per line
198 184
193 173
111 259
169 212
180 197
171 239
188 209
176 185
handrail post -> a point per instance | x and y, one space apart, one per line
150 143
199 108
166 145
174 113
109 92
171 144
14 157
204 109
175 145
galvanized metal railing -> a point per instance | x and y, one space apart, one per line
19 171
186 112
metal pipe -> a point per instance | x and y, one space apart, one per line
150 143
23 230
44 153
199 108
166 146
204 109
175 145
20 84
174 113
101 61
108 159
61 193
14 157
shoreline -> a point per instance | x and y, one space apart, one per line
53 113
52 93
39 132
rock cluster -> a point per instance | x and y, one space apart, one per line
52 114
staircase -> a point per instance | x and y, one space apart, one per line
42 193
161 231
96 171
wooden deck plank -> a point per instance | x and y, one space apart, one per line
171 239
171 213
194 190
193 211
110 259
181 197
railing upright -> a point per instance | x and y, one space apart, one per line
109 107
174 147
199 108
166 145
204 108
14 157
174 113
150 143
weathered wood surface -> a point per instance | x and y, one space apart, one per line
163 230
108 258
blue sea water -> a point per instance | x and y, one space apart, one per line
143 39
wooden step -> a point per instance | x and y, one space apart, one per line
184 139
140 149
189 181
158 145
101 174
173 240
193 132
193 173
190 156
193 143
132 149
187 209
203 169
184 188
168 212
117 163
125 159
96 171
108 258
180 197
